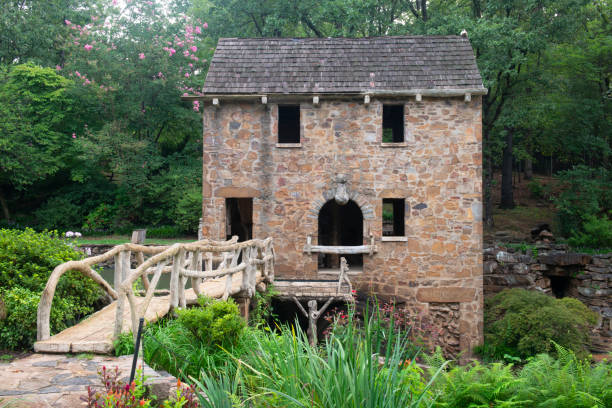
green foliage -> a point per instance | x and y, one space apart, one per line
586 195
352 370
124 344
27 259
597 233
214 323
523 323
263 312
189 210
543 382
101 219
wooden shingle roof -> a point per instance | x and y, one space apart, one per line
342 65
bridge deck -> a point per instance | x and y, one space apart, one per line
94 334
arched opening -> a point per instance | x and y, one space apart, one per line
340 225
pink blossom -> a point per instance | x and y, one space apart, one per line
193 57
141 56
180 44
205 25
186 74
196 106
77 73
87 82
194 48
67 22
185 94
186 53
172 51
114 2
58 68
76 43
150 3
74 135
198 30
190 65
159 74
88 47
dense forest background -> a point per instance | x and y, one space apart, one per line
94 135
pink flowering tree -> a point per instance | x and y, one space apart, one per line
132 64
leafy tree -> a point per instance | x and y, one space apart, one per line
34 106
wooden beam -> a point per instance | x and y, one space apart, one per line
340 250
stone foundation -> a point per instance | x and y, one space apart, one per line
553 270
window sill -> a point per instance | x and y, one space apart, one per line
394 239
398 144
288 145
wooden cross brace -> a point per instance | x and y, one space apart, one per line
313 316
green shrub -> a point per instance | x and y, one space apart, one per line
215 322
597 233
563 382
101 219
18 329
188 210
124 344
587 193
59 213
27 259
522 323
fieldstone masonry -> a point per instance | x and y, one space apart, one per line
436 170
553 270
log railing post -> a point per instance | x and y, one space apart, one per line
174 278
120 264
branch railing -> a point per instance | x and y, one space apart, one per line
199 261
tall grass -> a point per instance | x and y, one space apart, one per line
360 366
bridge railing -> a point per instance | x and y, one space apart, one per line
198 261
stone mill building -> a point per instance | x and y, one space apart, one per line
369 146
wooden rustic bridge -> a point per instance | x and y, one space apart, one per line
218 269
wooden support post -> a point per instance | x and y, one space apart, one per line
313 316
244 303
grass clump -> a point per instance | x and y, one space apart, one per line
523 323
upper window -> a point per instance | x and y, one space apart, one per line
288 123
393 124
393 217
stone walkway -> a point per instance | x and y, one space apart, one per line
55 380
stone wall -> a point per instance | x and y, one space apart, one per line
437 170
551 269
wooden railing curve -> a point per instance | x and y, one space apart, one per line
195 261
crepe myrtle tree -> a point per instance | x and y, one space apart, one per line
132 63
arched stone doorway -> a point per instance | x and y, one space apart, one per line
340 225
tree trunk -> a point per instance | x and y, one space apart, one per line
507 198
528 169
5 209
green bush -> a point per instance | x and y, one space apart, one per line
523 323
18 329
215 322
27 259
101 219
597 233
587 193
544 381
188 210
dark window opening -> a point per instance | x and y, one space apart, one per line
289 124
340 225
239 218
393 217
393 124
559 286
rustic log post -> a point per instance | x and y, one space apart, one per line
244 303
120 264
313 316
138 237
174 278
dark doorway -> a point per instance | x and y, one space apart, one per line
559 286
239 218
340 225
